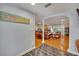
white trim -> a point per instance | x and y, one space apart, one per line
25 51
54 15
43 31
73 52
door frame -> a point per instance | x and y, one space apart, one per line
43 22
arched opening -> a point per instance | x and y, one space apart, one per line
56 32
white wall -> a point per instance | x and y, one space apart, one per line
38 19
15 38
74 31
73 28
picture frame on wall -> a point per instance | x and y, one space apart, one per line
13 18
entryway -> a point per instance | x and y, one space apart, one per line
56 32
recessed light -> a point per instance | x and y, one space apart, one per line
32 3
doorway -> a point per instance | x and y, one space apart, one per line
56 32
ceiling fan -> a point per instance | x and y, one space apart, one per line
47 5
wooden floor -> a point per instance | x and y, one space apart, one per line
54 43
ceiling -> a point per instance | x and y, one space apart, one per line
39 9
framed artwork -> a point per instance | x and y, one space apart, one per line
13 18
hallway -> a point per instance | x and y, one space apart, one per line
24 27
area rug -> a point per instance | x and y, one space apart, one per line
46 50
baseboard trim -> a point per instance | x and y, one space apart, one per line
25 51
73 52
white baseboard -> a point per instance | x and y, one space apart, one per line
25 51
72 52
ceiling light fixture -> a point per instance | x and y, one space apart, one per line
32 3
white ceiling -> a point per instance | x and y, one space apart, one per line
39 9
